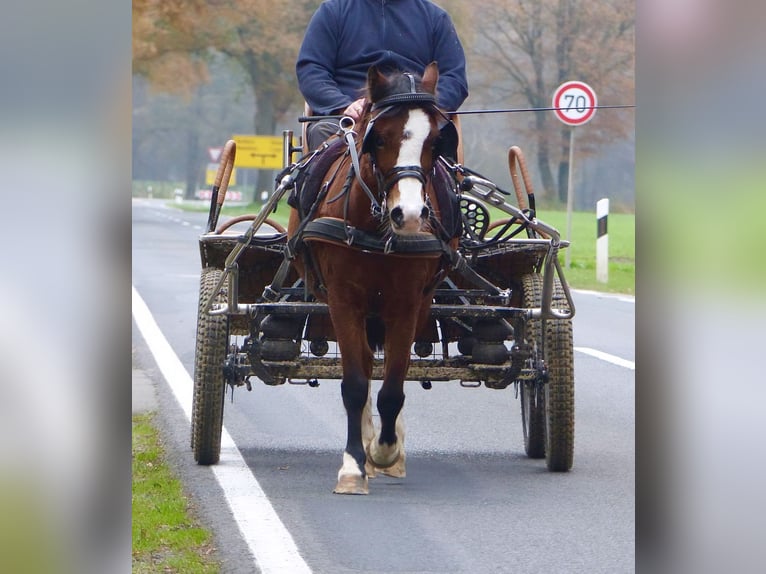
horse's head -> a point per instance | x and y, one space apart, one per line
403 123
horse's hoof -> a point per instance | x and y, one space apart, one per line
352 484
396 470
382 457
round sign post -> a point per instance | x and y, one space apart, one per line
574 104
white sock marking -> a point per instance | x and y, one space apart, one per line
349 468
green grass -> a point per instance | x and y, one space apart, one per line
166 536
281 215
622 250
582 271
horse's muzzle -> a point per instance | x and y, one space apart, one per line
409 224
412 218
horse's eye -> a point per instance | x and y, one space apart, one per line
379 142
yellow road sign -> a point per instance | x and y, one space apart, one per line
258 152
212 171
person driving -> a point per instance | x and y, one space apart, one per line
346 37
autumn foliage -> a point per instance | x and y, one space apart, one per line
518 52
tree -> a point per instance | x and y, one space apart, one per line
538 44
173 40
264 38
165 126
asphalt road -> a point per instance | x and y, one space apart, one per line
472 502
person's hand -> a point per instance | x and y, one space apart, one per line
355 109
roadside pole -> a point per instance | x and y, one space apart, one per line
575 104
602 241
570 196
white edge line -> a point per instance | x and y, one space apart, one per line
615 360
617 296
267 537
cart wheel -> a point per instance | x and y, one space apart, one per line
532 396
209 385
558 397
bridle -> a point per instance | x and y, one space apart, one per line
388 180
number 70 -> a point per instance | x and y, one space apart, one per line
577 102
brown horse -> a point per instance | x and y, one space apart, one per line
378 298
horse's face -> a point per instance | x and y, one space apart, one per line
402 146
403 157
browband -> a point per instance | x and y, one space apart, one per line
411 98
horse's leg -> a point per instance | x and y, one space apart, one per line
356 359
386 450
368 433
398 468
404 310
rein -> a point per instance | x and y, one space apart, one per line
347 124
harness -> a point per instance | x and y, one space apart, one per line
340 232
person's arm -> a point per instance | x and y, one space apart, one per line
315 66
448 52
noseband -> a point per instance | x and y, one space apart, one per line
399 172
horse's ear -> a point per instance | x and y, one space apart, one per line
376 83
430 78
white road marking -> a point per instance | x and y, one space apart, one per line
602 295
272 546
615 360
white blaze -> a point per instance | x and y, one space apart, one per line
416 131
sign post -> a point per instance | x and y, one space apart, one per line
575 104
602 241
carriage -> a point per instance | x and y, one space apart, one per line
498 310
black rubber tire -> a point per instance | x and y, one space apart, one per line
533 420
558 399
559 391
209 384
532 400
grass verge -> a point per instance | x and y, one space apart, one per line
166 536
622 250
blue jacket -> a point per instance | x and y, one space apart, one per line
345 37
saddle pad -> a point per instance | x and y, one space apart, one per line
310 180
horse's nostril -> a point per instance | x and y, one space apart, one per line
397 216
424 213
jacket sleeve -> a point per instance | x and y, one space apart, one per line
448 53
315 66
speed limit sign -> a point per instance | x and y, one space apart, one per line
575 103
